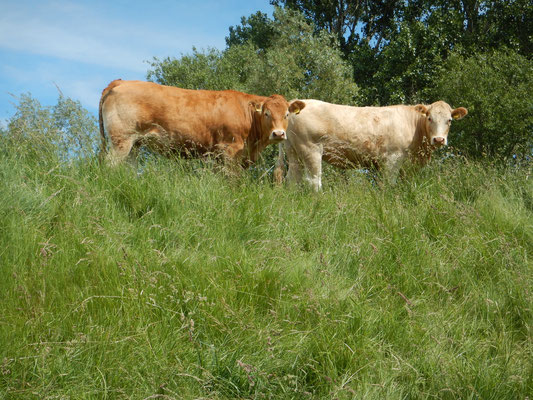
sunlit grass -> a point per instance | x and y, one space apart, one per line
181 282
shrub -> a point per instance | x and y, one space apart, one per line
55 133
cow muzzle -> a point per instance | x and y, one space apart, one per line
438 141
278 135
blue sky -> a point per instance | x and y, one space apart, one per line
81 46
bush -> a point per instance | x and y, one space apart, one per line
56 133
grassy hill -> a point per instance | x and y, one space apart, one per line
180 282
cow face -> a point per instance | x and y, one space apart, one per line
274 116
439 116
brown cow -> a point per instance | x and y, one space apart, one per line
380 137
167 119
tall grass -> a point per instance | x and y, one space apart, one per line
179 282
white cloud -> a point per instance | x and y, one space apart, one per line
79 33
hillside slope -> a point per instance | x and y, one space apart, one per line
179 282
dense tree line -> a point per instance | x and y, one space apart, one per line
396 47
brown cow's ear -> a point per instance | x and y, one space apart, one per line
421 109
296 106
258 107
459 113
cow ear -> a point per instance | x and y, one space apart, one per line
257 107
421 109
296 106
459 113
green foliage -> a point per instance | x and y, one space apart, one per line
257 29
56 133
397 47
295 62
496 88
352 22
301 64
200 70
500 23
408 65
178 283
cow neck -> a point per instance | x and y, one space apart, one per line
422 146
254 144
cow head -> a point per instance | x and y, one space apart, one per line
273 114
438 117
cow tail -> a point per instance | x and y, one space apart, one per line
279 171
103 143
105 93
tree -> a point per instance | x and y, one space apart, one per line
509 23
354 23
257 29
496 88
199 70
395 52
300 63
395 47
295 62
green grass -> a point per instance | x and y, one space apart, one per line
181 283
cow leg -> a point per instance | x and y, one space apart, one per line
393 164
231 155
294 174
279 169
133 157
120 150
313 163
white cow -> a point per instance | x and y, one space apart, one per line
379 137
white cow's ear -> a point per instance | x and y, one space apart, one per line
296 106
459 113
421 109
257 107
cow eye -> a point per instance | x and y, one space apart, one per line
429 119
286 115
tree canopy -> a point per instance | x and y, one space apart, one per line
395 46
284 55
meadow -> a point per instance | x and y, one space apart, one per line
176 281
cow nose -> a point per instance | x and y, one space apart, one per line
439 141
278 135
